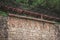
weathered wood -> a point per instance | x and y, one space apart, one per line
25 17
20 11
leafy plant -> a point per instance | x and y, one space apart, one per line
3 13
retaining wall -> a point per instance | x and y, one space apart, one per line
14 28
25 29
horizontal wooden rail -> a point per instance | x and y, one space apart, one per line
20 11
31 18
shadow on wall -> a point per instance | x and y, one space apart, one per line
3 28
57 29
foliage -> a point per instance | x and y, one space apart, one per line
3 13
48 3
54 5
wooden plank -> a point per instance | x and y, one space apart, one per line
30 18
5 7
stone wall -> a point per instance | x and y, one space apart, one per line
13 28
24 29
3 28
58 31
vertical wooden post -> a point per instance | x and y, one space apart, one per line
41 16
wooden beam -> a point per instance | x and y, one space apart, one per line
20 11
31 18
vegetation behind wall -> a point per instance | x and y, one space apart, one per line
3 13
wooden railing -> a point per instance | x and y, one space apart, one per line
29 13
